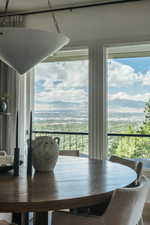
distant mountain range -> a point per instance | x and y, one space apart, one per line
76 116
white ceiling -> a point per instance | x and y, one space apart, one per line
111 24
23 5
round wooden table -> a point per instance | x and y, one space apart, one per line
75 182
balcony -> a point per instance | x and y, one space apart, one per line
79 141
68 140
134 146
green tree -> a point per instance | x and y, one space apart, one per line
134 147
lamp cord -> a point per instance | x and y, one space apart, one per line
6 6
5 11
54 18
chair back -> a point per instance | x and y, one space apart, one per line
126 205
70 153
137 166
127 162
139 170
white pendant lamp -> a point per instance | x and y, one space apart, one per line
23 48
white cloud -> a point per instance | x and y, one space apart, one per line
63 74
146 79
44 71
124 96
60 95
75 75
67 82
63 85
51 107
121 75
125 110
43 107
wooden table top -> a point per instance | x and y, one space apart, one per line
75 182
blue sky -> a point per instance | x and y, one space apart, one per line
140 64
64 86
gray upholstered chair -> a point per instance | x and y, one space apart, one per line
125 208
4 222
69 153
5 218
137 166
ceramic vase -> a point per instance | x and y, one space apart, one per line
3 106
44 153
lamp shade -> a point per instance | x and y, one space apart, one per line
23 48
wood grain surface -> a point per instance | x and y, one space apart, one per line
75 182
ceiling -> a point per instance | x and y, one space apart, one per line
23 5
105 24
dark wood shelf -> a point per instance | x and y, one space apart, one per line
5 114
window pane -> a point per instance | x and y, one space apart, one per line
129 107
61 101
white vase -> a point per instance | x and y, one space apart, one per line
44 153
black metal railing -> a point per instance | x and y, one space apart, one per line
79 141
127 135
68 140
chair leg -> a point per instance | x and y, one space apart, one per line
20 218
23 219
41 218
141 222
16 218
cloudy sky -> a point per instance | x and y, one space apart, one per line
129 85
64 86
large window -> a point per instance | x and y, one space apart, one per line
129 105
61 101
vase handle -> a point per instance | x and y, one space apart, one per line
57 140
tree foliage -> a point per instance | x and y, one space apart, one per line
134 147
